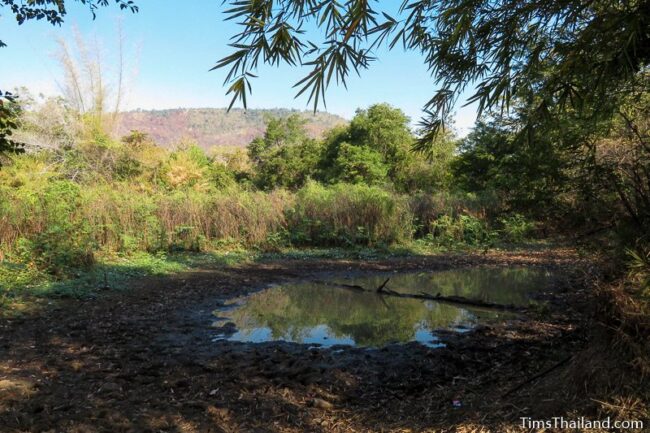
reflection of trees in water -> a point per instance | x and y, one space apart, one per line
291 312
499 285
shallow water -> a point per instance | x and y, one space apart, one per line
317 313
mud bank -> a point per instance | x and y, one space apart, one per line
143 360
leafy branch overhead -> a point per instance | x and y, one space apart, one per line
565 52
54 11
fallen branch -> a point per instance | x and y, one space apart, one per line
345 286
458 300
381 288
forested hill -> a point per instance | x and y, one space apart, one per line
215 126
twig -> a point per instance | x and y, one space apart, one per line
381 288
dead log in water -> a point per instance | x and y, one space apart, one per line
458 300
381 288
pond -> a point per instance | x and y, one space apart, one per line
320 313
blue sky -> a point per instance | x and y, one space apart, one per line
172 48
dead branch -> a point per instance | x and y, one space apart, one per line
458 300
380 288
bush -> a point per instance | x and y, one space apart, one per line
64 243
516 228
467 230
639 270
427 208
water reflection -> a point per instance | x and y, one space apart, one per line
499 285
316 313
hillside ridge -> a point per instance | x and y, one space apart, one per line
216 127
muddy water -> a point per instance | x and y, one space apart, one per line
317 313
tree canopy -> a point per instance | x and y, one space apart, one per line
374 149
565 52
9 114
54 11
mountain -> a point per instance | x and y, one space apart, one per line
210 127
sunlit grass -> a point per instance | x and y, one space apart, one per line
21 285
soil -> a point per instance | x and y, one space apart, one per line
144 360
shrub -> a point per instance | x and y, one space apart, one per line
64 243
448 231
427 208
639 270
516 228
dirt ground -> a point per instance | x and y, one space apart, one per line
143 360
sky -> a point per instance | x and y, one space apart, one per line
170 49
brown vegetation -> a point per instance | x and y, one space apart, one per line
215 127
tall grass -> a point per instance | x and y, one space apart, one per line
59 209
349 214
116 217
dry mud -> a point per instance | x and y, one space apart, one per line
143 360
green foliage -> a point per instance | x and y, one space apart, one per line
68 207
384 129
433 173
190 168
64 243
370 148
136 139
464 230
285 157
529 170
279 132
585 174
359 164
570 52
639 265
516 228
222 177
9 119
375 149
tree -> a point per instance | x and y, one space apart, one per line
382 136
381 133
9 118
359 164
289 166
279 132
384 129
433 173
285 156
54 11
531 173
567 52
587 172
